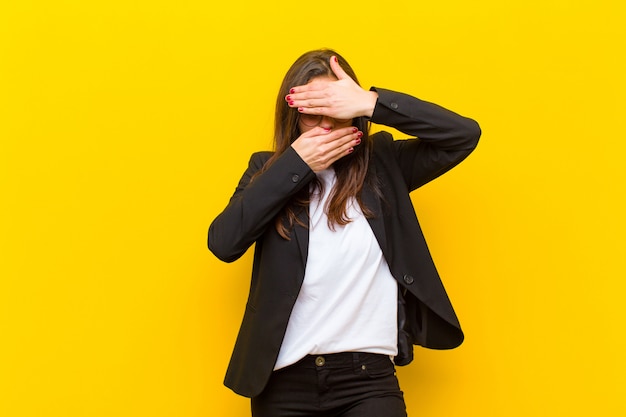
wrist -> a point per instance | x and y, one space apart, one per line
371 97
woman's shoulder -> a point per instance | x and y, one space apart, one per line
260 158
382 141
262 155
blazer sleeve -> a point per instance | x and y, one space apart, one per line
442 138
255 203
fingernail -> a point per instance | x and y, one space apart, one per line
291 103
350 150
326 129
288 98
293 90
300 109
358 141
354 130
335 58
360 134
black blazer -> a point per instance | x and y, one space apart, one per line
401 166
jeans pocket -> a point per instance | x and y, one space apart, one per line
379 367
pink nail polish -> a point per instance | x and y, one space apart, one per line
358 141
354 130
291 103
350 150
288 98
335 58
293 90
360 134
300 109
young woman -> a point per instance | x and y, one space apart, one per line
343 284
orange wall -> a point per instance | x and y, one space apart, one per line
124 127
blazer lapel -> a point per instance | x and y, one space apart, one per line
372 201
302 234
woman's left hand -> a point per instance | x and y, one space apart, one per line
342 98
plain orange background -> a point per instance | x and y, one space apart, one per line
125 126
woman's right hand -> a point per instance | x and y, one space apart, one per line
321 147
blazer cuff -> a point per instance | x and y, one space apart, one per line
298 172
389 104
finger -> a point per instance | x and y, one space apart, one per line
315 89
305 100
334 138
312 109
339 72
315 132
340 137
308 102
341 151
317 107
299 104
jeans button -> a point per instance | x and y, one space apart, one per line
320 361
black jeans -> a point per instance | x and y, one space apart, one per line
347 384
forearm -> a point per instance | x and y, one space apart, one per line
427 121
256 203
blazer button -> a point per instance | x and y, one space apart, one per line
394 105
295 178
408 279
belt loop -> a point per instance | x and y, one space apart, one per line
356 365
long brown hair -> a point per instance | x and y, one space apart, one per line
351 170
